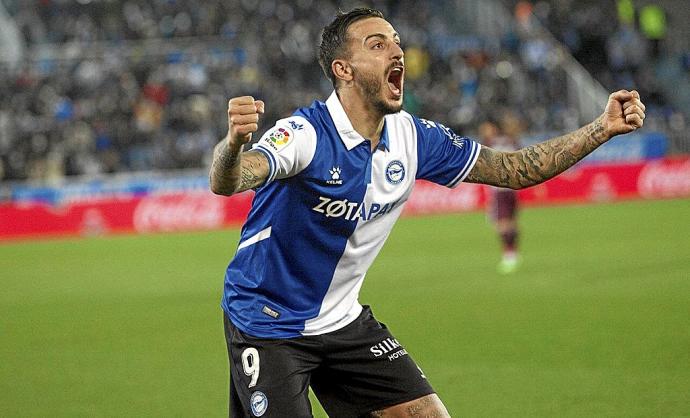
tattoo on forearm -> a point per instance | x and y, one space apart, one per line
536 163
234 171
224 165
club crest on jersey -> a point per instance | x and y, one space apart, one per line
335 174
259 403
279 137
395 172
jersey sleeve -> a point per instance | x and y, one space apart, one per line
443 157
289 146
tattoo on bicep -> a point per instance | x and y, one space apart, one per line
490 168
248 178
253 171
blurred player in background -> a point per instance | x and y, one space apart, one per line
502 204
330 182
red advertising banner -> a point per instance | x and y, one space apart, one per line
199 210
656 179
153 213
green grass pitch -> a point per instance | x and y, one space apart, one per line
595 323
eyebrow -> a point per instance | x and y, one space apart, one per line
380 35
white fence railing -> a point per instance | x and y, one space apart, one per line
493 19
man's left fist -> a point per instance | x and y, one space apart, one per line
624 112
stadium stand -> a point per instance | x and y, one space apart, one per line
119 86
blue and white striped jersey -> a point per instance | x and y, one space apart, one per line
325 211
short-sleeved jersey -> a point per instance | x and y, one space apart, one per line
325 211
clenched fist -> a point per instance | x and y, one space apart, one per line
243 119
624 113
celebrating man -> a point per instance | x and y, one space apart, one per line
330 182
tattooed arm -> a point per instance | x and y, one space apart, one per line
537 163
234 171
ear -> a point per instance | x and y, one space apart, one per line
342 70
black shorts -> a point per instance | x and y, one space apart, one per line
353 371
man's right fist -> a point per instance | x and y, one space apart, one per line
243 118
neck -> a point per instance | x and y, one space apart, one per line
366 120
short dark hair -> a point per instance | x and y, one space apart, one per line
334 37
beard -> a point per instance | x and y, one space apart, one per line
372 90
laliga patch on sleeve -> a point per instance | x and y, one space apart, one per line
279 137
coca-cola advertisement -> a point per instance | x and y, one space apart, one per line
196 210
185 204
664 179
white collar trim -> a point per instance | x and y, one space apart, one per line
348 135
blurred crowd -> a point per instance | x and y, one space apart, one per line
617 45
118 86
624 45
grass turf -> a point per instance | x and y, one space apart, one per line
595 323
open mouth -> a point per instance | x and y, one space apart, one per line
395 80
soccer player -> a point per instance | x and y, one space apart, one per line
330 182
502 205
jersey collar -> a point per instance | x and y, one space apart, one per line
348 135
